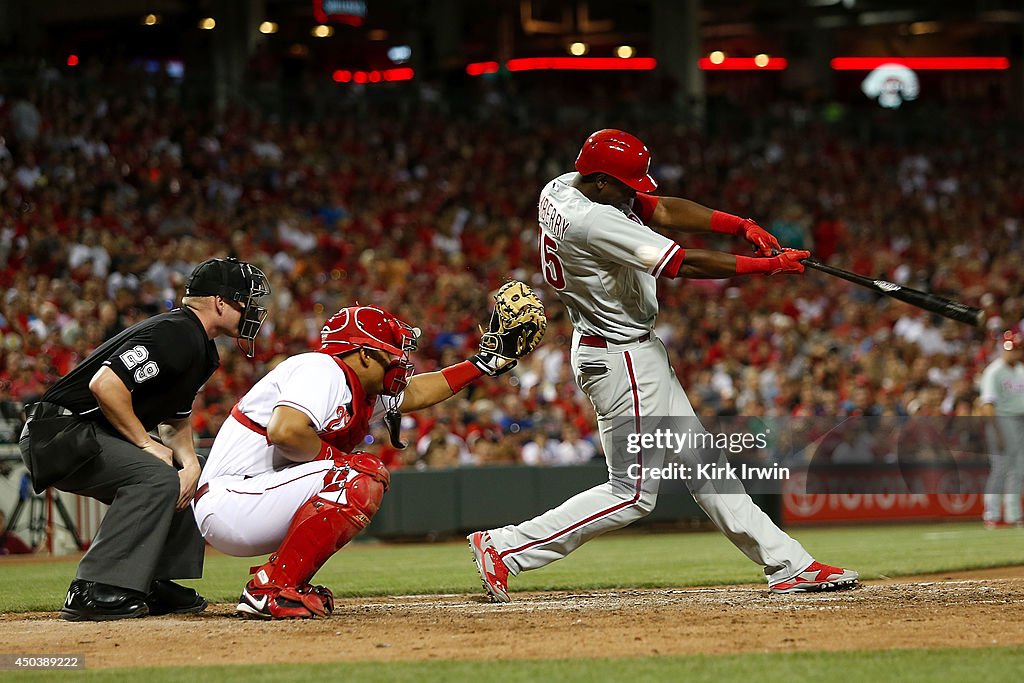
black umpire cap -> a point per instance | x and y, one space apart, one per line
222 277
236 281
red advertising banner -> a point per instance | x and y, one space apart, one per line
893 497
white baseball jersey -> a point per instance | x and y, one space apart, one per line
1003 386
313 383
253 491
603 261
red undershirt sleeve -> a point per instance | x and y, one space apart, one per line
644 206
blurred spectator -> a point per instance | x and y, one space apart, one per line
112 194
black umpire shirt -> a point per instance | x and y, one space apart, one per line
163 361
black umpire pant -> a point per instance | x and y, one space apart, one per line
142 538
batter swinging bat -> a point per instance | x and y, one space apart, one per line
929 302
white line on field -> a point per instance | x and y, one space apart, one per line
944 535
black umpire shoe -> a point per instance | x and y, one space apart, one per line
90 601
167 597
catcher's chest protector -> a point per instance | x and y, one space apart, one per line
346 431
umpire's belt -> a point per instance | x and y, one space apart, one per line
602 343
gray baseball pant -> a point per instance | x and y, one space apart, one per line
1005 479
142 538
634 381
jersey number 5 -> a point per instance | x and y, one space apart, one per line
552 266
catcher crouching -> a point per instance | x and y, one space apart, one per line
284 476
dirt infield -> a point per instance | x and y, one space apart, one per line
964 609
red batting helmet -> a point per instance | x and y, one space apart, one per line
358 327
620 155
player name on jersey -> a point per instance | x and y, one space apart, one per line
555 223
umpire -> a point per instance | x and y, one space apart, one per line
89 435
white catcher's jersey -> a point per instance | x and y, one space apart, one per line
603 262
312 383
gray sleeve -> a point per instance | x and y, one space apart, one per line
615 237
989 386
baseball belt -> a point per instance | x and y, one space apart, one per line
602 343
203 490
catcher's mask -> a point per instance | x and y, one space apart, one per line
239 282
369 327
620 155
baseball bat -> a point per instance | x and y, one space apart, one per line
954 310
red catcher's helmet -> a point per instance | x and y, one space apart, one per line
370 327
1012 340
620 155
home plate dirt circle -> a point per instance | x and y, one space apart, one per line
960 610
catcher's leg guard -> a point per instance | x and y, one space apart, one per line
351 496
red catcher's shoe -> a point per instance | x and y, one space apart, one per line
326 597
493 572
274 602
818 577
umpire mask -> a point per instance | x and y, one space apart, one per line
238 282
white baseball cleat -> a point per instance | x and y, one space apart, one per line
493 572
818 577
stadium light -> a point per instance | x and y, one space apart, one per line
480 68
624 51
759 63
716 57
151 20
581 64
322 31
565 64
384 76
920 28
578 49
401 74
207 23
268 27
923 63
400 54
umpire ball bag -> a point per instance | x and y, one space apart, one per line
58 444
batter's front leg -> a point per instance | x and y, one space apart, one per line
752 531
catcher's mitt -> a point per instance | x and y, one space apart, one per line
516 327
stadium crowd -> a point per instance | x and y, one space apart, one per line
109 199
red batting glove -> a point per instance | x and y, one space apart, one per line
787 261
726 223
764 242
